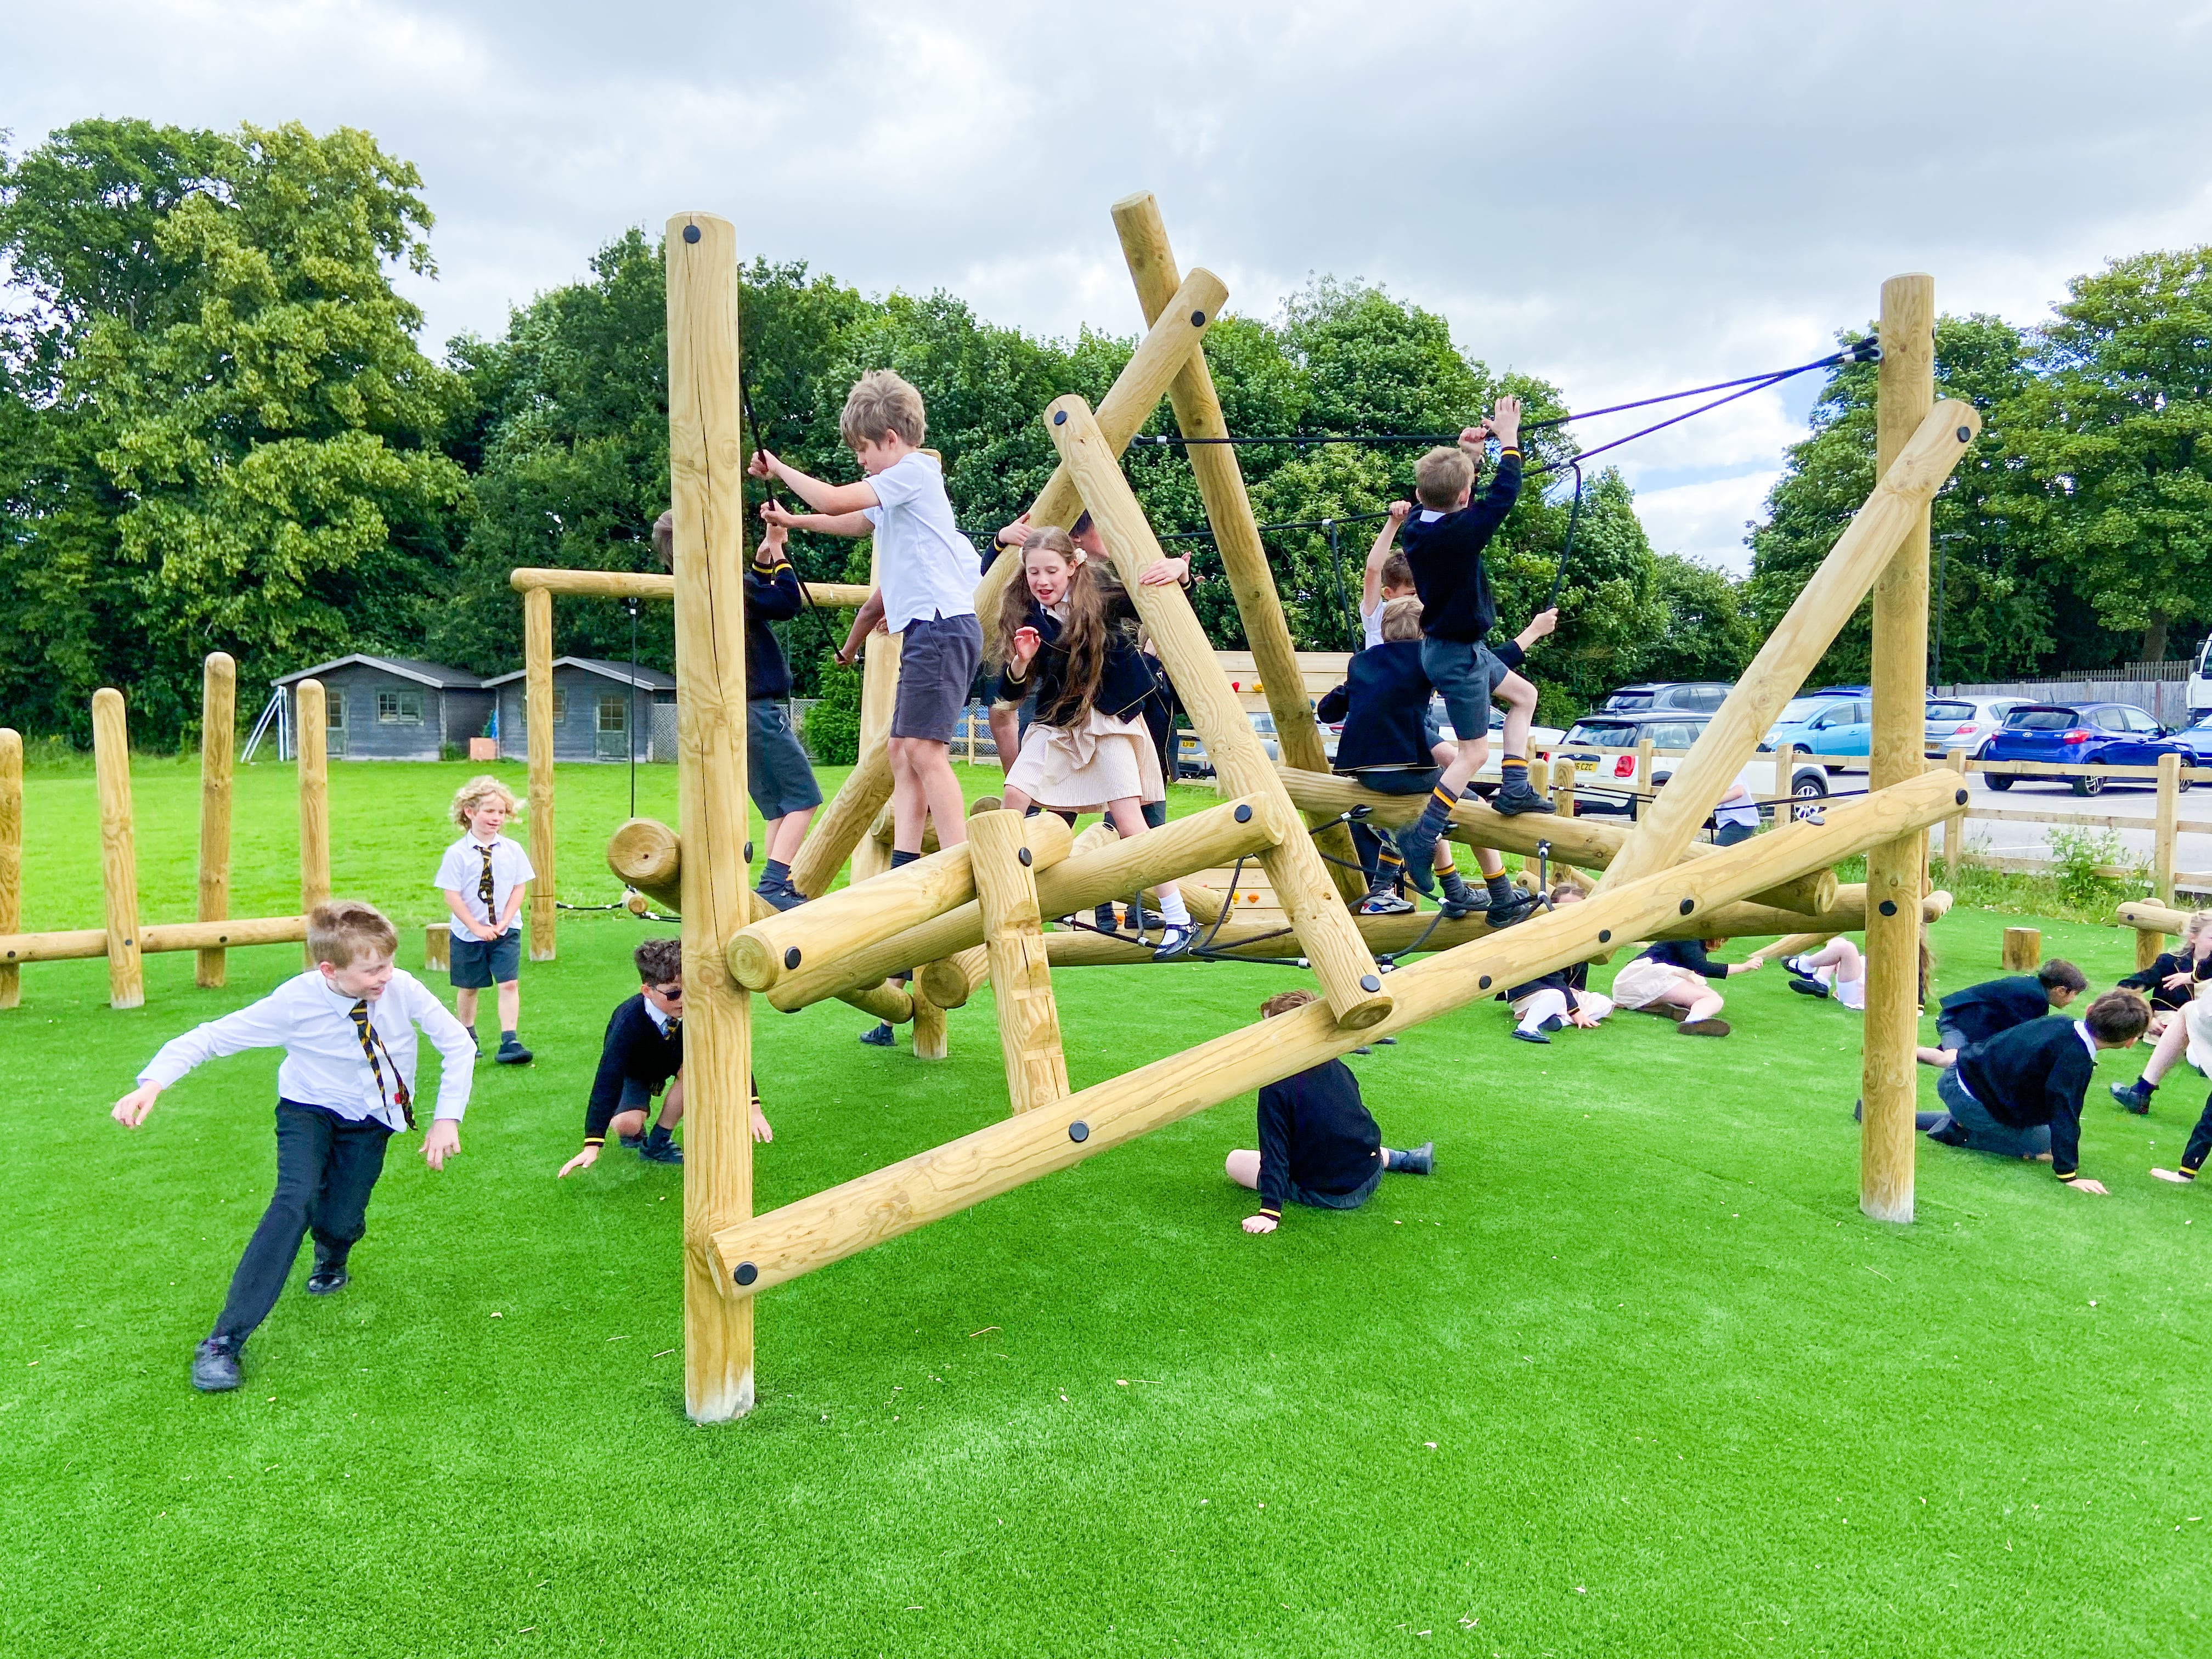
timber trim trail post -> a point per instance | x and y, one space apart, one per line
1954 828
1905 407
310 742
1152 263
2162 835
11 856
1021 977
119 861
218 742
537 725
1326 934
707 461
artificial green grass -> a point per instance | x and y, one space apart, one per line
1629 1374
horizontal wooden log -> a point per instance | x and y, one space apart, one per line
951 980
815 1231
2151 917
642 584
78 943
1218 835
835 926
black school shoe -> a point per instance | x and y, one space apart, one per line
1808 988
512 1053
632 1142
881 1037
1530 1036
2134 1097
215 1367
661 1151
782 894
1515 799
327 1277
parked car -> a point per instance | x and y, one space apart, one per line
1603 749
1969 722
2081 734
2197 738
1690 696
1825 723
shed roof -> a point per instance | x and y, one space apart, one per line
623 673
438 674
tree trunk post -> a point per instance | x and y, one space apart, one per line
119 860
2162 836
1021 977
537 694
310 741
218 742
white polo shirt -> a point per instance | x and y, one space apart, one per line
461 870
924 565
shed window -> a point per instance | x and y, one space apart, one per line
560 705
399 708
612 712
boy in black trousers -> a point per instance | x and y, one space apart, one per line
1319 1145
2020 1094
1980 1012
642 1054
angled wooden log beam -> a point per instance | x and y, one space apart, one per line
1220 835
851 919
1909 482
1294 867
815 1231
1170 343
706 464
643 585
1151 258
1013 937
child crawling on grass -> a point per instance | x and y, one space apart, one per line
1319 1145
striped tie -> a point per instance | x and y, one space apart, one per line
368 1042
484 888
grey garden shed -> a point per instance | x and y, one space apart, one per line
597 705
392 708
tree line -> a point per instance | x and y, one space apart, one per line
219 431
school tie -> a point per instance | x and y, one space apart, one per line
360 1013
484 887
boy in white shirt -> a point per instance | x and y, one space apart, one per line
346 1086
484 876
927 572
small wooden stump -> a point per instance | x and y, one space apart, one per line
437 948
2023 949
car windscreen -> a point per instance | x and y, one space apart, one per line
1603 734
1798 710
1950 711
2040 720
1628 702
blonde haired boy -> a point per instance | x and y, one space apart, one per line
485 877
346 1086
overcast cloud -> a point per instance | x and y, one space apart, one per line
1623 198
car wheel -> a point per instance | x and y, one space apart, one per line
2088 786
1999 782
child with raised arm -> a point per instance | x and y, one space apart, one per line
642 1056
1673 977
346 1086
1445 537
1057 630
927 572
1386 577
485 877
1319 1145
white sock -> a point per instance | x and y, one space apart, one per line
1172 907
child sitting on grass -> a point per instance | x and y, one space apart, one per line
1671 978
485 878
1319 1145
1560 998
1980 1012
642 1054
346 1086
1837 969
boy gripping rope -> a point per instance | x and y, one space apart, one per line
485 877
346 1085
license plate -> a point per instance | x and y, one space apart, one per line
1585 766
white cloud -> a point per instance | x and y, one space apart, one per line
1705 521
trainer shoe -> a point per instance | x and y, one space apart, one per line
1808 988
1103 919
1176 939
1947 1132
661 1151
1521 1036
1703 1027
1452 910
782 894
633 1142
2134 1097
215 1367
512 1053
881 1037
1417 845
1515 799
1382 901
1519 907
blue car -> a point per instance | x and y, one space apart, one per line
1825 723
2081 734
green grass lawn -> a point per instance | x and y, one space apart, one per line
1629 1374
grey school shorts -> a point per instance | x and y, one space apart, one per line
778 775
1350 1201
938 659
1466 675
478 963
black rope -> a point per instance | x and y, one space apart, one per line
825 630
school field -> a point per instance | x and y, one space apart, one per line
1629 1374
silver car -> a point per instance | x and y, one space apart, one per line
1965 722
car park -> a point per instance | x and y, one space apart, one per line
1825 723
2061 735
1968 722
1658 696
1603 749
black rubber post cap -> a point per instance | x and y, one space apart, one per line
1369 983
791 957
1687 905
1889 907
1605 936
1966 435
1198 319
1059 417
1484 982
1960 798
1079 1132
748 852
746 1272
1243 814
691 235
1023 855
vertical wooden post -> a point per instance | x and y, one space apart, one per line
1899 751
1643 773
11 856
1021 979
119 861
437 948
707 459
1785 777
537 720
218 741
1235 533
2162 836
2023 949
2149 945
1954 827
310 744
1563 787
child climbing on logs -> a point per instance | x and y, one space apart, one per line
1836 969
1319 1145
1445 537
1560 998
1088 751
642 1056
1980 1012
1387 746
1672 975
2173 980
1386 577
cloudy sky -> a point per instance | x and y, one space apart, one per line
1623 198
